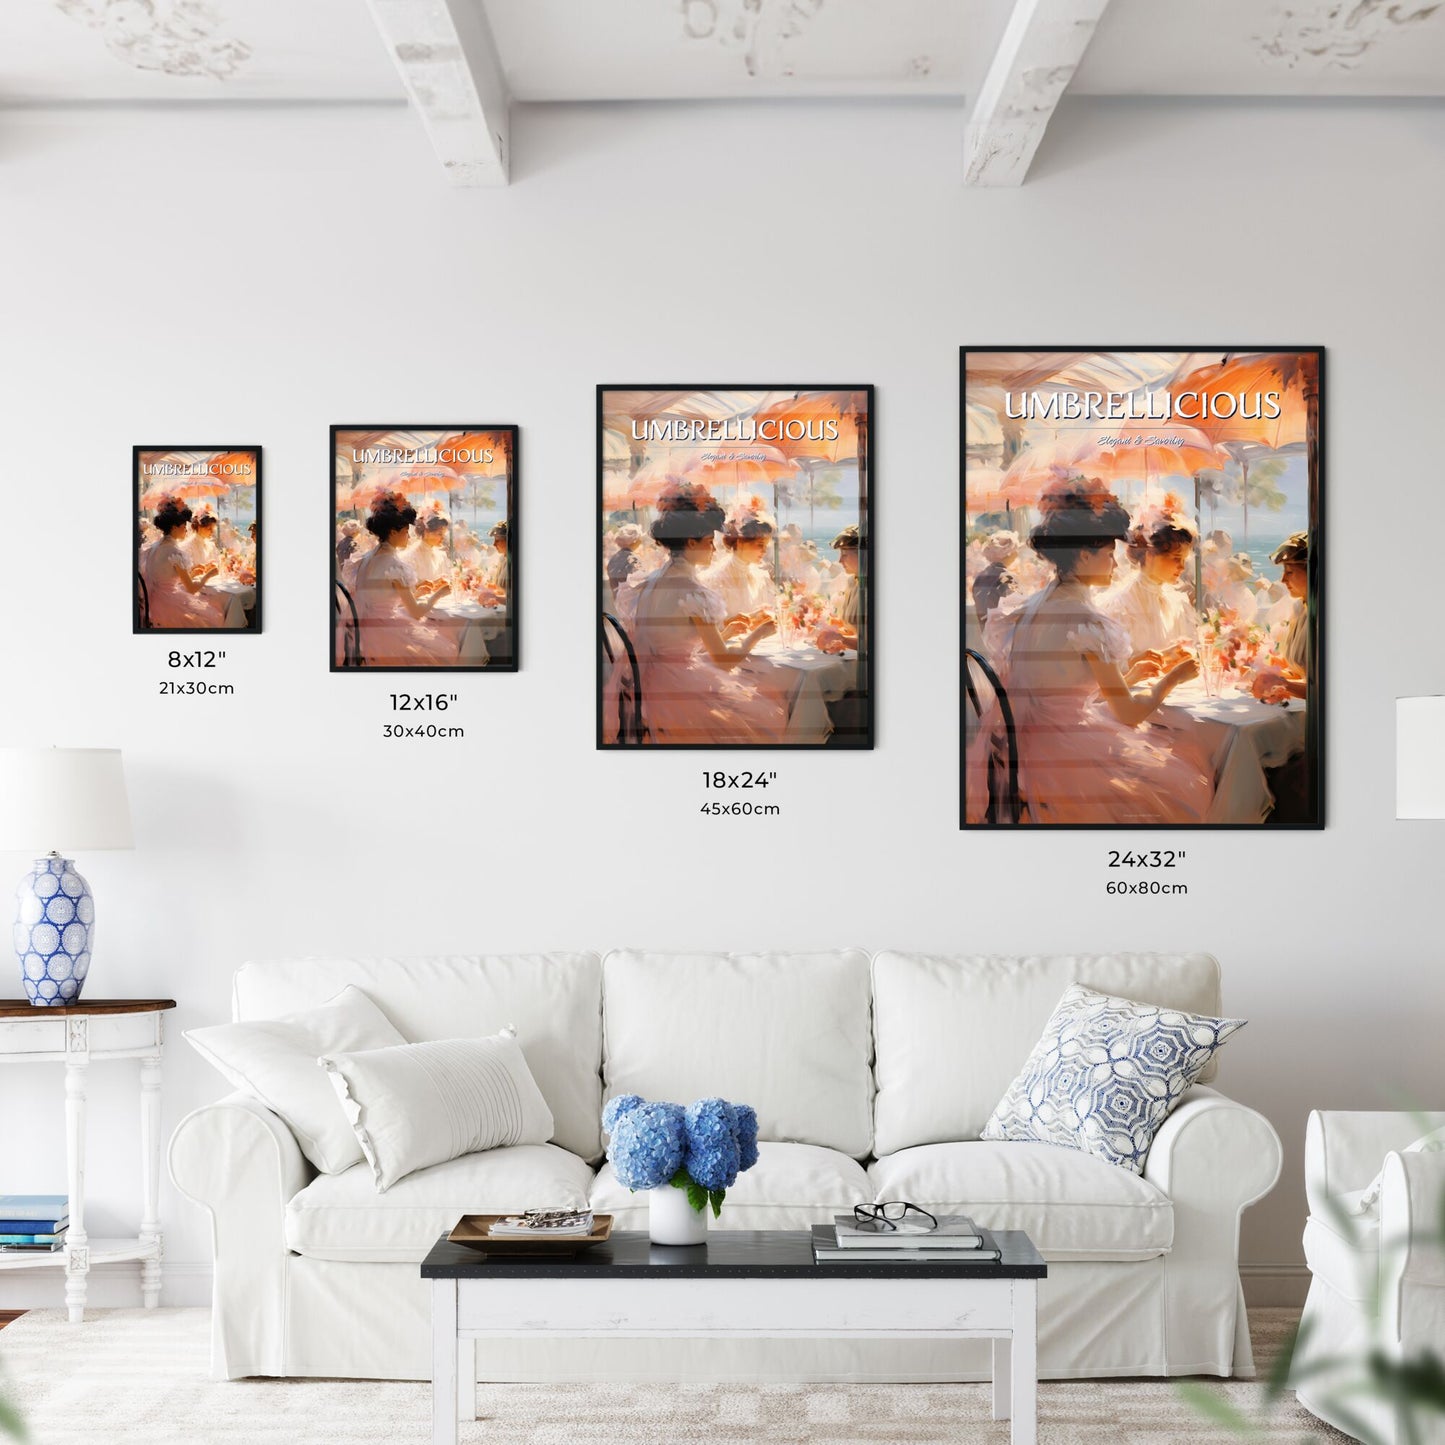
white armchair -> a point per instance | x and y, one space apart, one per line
1378 1277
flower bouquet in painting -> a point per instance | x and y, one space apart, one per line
687 1158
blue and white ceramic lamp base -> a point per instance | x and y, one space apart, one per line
54 928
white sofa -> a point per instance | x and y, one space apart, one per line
1364 1296
872 1079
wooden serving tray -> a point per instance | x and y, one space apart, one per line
471 1230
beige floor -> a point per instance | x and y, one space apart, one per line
140 1376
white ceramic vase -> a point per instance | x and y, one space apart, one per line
672 1220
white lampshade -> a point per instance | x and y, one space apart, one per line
1420 757
71 800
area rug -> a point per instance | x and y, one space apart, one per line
140 1376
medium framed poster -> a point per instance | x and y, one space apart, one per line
735 556
1142 587
197 539
425 573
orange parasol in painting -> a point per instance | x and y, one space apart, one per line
1035 467
1147 452
467 453
1294 375
811 412
740 465
235 469
620 494
200 487
988 489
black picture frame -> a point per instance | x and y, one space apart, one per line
862 700
1314 771
509 663
142 624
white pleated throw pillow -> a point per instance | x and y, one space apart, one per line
1105 1074
274 1061
414 1105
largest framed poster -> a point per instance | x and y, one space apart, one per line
424 561
1142 588
735 566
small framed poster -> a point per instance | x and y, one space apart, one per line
425 573
1142 588
735 566
197 539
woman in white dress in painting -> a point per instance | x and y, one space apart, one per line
739 574
697 686
174 589
1152 606
1087 750
396 625
200 547
428 554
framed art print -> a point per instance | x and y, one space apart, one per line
735 566
1142 587
197 539
424 563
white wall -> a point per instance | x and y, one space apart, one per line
237 276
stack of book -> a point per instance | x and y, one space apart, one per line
544 1223
33 1221
955 1240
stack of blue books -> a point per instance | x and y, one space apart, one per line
33 1221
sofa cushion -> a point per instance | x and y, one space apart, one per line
788 1033
951 1033
791 1186
274 1061
1105 1074
1072 1205
554 1001
415 1105
341 1216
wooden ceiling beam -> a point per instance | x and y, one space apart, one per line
448 61
1041 48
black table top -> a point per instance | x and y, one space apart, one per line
728 1254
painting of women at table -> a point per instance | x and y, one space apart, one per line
411 589
1132 677
716 630
194 571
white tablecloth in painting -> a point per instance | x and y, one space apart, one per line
817 678
474 624
1244 737
237 596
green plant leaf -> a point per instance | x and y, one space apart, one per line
1279 1376
10 1422
682 1179
715 1198
1213 1405
696 1196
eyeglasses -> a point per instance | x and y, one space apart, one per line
881 1218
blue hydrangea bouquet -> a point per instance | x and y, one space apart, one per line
702 1148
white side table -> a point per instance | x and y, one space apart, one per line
127 1028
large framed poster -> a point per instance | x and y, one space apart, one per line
424 565
197 539
735 566
1142 587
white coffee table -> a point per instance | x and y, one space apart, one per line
740 1284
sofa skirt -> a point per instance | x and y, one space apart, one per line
373 1321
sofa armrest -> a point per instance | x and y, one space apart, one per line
242 1164
1213 1158
1214 1155
1345 1148
1412 1250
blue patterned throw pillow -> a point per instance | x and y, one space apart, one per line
1106 1074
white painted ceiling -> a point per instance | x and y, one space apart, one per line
329 50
